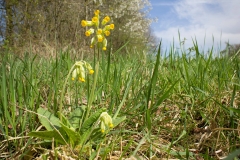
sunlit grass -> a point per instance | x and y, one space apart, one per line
176 106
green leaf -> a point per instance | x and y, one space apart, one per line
76 116
233 155
118 120
163 97
154 75
181 136
150 93
97 136
91 120
235 110
64 120
49 135
73 136
177 153
46 117
86 134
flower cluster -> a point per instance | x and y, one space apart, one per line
101 33
79 70
106 121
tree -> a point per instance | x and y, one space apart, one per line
57 22
9 33
231 50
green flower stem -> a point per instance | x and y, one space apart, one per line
62 93
92 95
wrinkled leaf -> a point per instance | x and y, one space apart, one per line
73 136
64 120
75 117
84 137
97 136
46 117
91 120
49 135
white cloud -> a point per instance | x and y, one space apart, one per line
206 19
205 37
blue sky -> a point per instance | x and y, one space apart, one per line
200 19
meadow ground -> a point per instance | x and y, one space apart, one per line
169 107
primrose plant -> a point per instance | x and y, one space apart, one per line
102 31
83 127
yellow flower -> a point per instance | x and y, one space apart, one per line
89 67
112 26
81 79
95 20
99 31
105 20
91 71
108 27
79 70
111 125
74 73
86 23
100 38
107 33
102 127
106 120
96 12
104 44
81 74
93 41
89 32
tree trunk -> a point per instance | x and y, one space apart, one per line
9 22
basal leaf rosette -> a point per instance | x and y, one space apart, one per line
99 30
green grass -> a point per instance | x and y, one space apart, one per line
184 107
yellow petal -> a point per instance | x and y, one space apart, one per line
91 71
112 26
87 33
99 31
100 38
94 19
81 79
107 33
83 23
96 12
111 125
